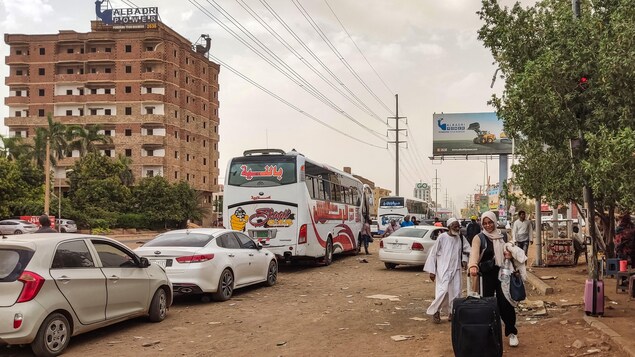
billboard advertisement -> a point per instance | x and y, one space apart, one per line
460 134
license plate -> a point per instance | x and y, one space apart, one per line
398 246
163 262
262 234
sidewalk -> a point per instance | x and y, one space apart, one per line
618 321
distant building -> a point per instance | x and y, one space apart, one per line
153 93
422 191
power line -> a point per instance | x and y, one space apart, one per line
358 49
217 60
317 28
315 57
301 82
277 36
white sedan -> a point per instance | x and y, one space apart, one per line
408 245
211 261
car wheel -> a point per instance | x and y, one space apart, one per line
158 306
272 273
17 231
390 265
52 337
63 230
225 286
328 252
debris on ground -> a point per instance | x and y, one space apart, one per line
398 338
384 297
548 277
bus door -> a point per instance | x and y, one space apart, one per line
367 202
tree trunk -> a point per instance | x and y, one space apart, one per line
609 234
47 172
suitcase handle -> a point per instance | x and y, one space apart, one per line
471 281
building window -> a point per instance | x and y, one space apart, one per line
150 152
187 99
187 60
108 132
18 52
128 69
93 70
175 53
176 175
215 163
215 128
108 49
69 50
81 112
42 51
148 69
18 72
215 181
204 70
107 70
176 154
204 89
150 132
81 91
41 71
187 138
204 107
128 111
107 111
204 179
69 71
149 48
187 177
175 74
128 48
93 111
40 92
93 91
108 153
93 49
150 110
148 89
40 112
128 132
128 152
187 157
204 161
176 134
176 113
69 113
128 89
150 173
187 80
187 118
107 91
204 143
69 92
204 125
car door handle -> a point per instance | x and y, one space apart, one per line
113 277
64 279
251 254
230 255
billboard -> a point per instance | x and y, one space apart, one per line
460 134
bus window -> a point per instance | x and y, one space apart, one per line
336 194
309 185
262 171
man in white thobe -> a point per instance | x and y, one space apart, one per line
444 262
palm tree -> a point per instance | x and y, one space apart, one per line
53 137
126 176
14 148
86 139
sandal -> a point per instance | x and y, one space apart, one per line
436 318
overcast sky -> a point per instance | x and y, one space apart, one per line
425 51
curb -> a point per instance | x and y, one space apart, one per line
538 284
615 337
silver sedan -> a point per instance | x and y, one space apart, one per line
57 285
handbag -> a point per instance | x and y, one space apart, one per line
517 287
486 266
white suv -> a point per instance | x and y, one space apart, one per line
65 226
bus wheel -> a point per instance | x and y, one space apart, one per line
328 254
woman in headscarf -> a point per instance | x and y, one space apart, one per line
488 261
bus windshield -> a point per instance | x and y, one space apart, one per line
262 171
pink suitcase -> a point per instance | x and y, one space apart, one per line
594 297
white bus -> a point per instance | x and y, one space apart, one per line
397 207
296 207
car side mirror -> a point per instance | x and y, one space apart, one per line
144 262
141 243
259 245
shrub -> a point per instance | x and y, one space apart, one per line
100 231
132 220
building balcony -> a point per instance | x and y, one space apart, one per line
70 57
16 59
16 100
100 76
152 160
151 119
14 80
99 98
75 77
153 140
99 56
156 97
158 76
23 121
70 98
152 55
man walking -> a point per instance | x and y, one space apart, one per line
45 225
522 232
473 228
448 254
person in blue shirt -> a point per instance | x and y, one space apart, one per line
407 222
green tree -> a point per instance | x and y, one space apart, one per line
86 139
21 189
543 52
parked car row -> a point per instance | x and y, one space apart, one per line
408 245
20 226
57 285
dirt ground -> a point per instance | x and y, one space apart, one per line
326 310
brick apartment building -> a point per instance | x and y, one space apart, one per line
148 89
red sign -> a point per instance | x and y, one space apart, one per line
36 220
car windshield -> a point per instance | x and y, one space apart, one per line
410 232
183 239
25 222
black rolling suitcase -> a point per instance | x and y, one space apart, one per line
476 326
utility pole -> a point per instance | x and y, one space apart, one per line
397 142
436 193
